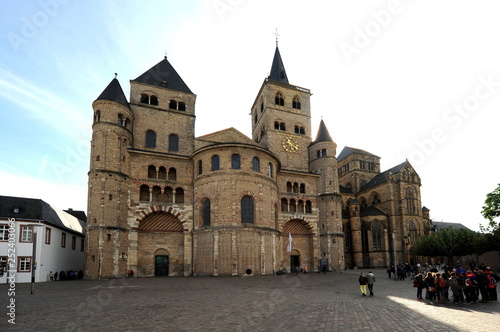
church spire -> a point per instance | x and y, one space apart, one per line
278 72
323 134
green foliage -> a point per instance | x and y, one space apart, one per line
491 209
447 242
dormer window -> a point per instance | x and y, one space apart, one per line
15 210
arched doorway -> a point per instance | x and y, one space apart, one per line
160 245
300 253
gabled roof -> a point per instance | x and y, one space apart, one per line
323 134
164 75
38 210
382 177
278 72
347 151
114 92
226 136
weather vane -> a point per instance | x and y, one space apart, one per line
276 34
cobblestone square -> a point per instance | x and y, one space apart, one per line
312 302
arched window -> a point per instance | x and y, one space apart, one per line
289 187
300 206
172 105
282 126
153 100
150 139
270 170
121 122
279 100
276 125
363 203
292 206
296 103
255 164
172 174
247 210
97 116
173 142
308 207
302 131
127 123
364 237
295 187
410 201
157 194
144 98
284 205
206 212
168 195
302 189
181 106
375 199
215 163
323 153
413 231
162 173
179 195
200 167
235 161
144 193
151 172
376 236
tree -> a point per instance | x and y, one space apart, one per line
447 242
491 210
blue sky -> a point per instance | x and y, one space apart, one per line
416 80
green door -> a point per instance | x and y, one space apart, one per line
161 266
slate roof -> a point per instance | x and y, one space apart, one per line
38 210
382 177
347 151
163 75
437 225
323 134
278 72
371 211
344 190
114 92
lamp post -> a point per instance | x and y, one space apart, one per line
33 257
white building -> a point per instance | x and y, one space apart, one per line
58 236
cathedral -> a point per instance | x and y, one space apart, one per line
162 202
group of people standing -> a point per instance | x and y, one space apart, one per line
471 286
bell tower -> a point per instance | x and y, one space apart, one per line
281 118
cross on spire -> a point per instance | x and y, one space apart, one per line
276 34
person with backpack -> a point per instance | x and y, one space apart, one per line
456 289
483 284
418 282
493 284
431 286
470 287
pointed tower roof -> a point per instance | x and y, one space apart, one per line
323 134
278 72
164 75
114 92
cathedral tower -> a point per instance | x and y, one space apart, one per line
107 229
281 118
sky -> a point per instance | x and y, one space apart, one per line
402 79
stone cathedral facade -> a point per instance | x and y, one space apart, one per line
164 202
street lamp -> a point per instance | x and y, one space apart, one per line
33 257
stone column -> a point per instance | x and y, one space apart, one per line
357 246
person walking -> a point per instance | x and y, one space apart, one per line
370 277
362 283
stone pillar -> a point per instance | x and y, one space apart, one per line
357 246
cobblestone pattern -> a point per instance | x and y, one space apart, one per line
313 302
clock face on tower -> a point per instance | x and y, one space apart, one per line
290 144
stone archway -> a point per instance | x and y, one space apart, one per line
302 250
160 245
